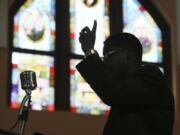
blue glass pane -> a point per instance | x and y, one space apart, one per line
83 98
34 26
139 22
43 96
83 13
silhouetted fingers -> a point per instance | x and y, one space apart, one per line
81 33
94 27
85 30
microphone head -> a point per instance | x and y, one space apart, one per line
28 80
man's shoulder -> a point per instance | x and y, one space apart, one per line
149 72
152 76
149 69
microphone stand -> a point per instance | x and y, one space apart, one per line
28 83
24 111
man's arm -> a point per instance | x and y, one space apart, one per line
135 91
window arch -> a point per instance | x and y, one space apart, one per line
138 21
148 24
54 46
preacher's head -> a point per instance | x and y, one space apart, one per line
122 53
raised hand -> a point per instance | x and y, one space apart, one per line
87 38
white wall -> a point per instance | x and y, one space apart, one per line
3 22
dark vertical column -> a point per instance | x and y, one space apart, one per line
116 22
178 28
167 54
12 11
62 55
3 22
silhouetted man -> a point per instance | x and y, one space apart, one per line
140 99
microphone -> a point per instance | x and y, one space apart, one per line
28 80
28 83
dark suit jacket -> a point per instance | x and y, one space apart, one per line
141 104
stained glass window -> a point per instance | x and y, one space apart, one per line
83 13
139 22
34 26
43 96
34 31
83 98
